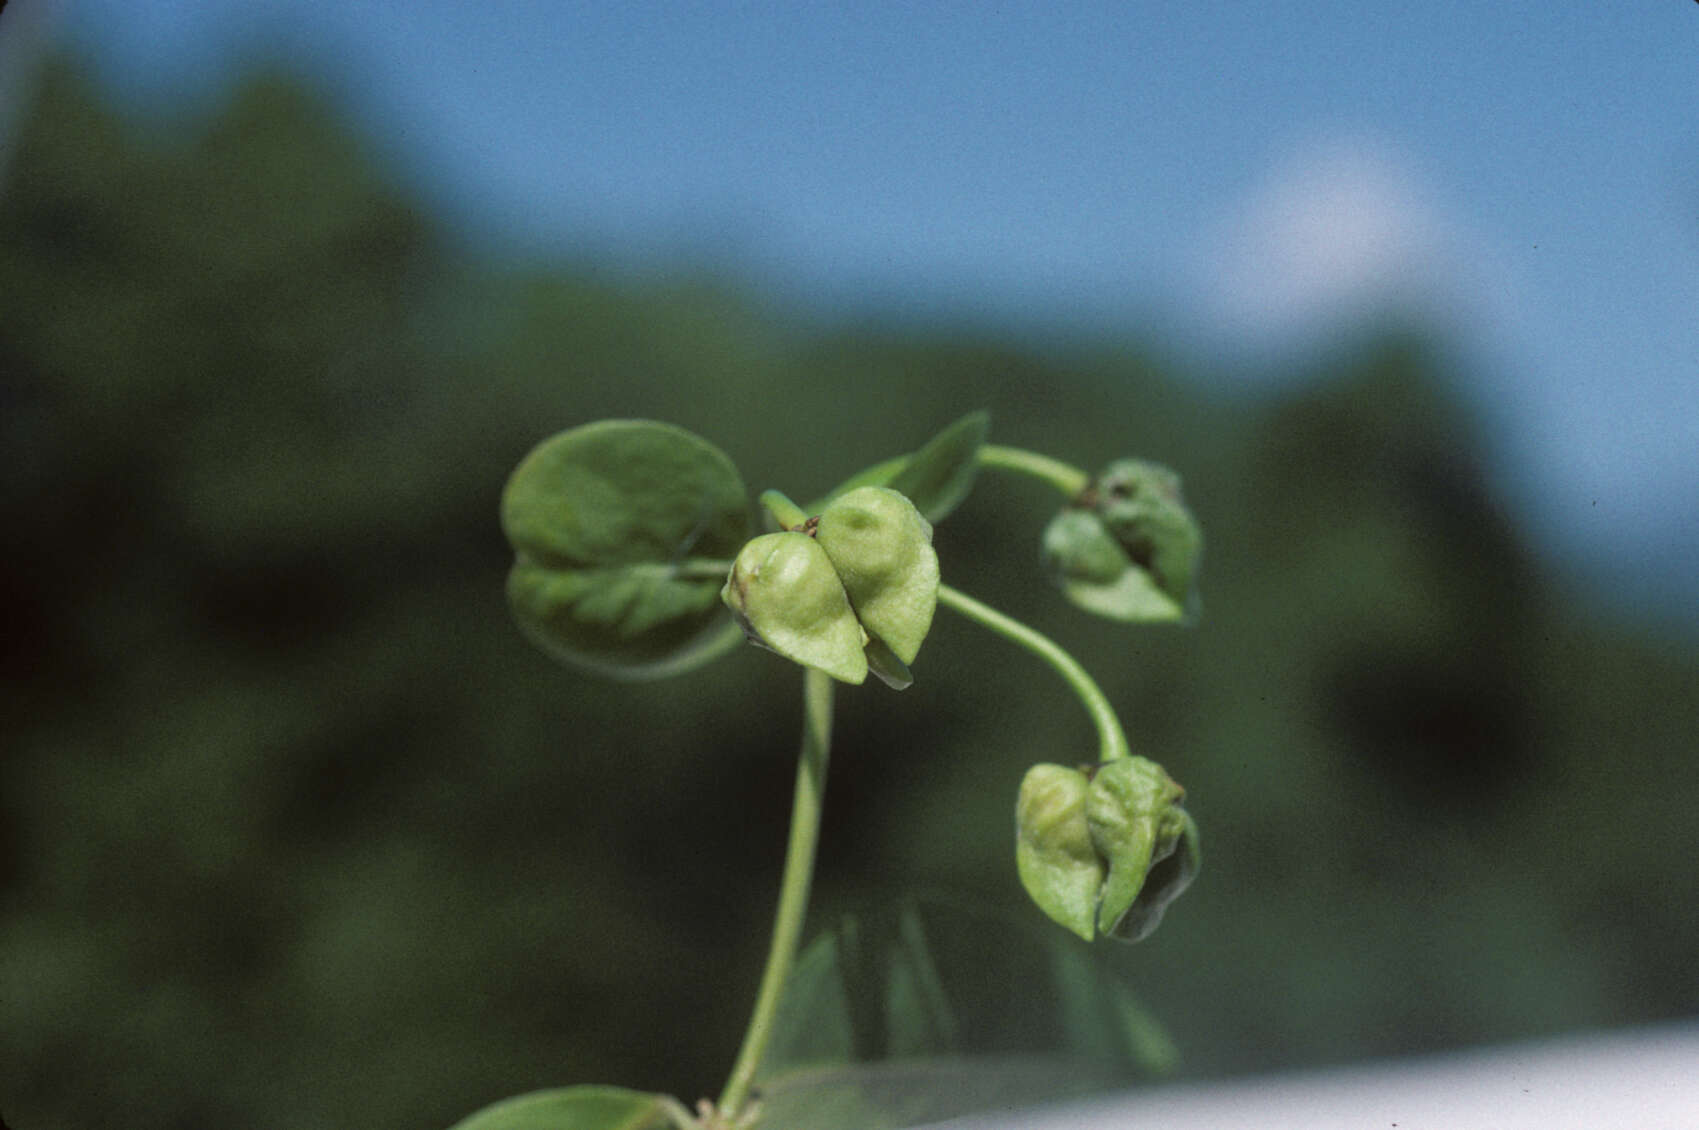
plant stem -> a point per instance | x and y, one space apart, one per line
1111 738
787 513
699 569
793 887
1065 477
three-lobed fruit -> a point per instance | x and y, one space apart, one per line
882 549
1054 855
1104 850
786 594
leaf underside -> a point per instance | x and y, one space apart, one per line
615 526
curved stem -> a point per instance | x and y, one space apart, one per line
1065 477
793 887
1111 738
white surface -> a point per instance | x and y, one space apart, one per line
1641 1080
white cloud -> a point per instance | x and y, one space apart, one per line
1337 231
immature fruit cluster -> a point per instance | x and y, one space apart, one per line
1104 850
1127 547
864 581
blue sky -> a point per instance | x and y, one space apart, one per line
1245 179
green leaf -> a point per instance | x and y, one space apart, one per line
1101 1012
917 1011
933 1010
812 1026
939 476
878 475
1146 1040
578 1108
936 478
619 528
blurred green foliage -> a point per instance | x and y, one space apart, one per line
297 830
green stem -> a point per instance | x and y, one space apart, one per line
787 513
700 569
793 887
1065 477
1111 738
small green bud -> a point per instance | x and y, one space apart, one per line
787 597
1127 548
882 550
1096 574
1078 547
1104 850
1137 825
1142 507
1058 863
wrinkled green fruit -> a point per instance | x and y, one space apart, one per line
1079 547
1057 862
1167 880
1142 507
1104 851
1127 548
1095 573
882 549
1136 824
787 597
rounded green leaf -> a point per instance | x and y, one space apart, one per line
1058 863
578 1108
788 598
882 550
617 527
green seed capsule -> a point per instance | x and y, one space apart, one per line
1127 548
1103 851
1167 880
787 596
1136 824
882 549
1142 507
1078 548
